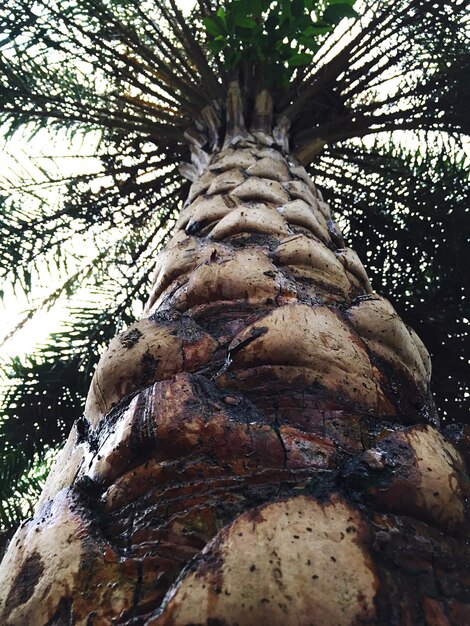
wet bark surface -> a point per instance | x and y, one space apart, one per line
261 447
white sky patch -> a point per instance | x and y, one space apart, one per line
23 161
65 155
186 5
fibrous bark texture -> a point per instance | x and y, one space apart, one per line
261 447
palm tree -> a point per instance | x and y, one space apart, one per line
262 446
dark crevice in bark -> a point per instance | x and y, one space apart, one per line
108 421
413 406
281 441
137 590
26 581
64 614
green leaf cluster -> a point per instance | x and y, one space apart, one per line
279 36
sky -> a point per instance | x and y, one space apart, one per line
28 152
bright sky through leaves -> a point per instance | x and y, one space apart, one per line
40 150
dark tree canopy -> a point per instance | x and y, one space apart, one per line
376 98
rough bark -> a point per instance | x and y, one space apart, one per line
261 447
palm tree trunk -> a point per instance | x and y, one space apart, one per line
261 447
